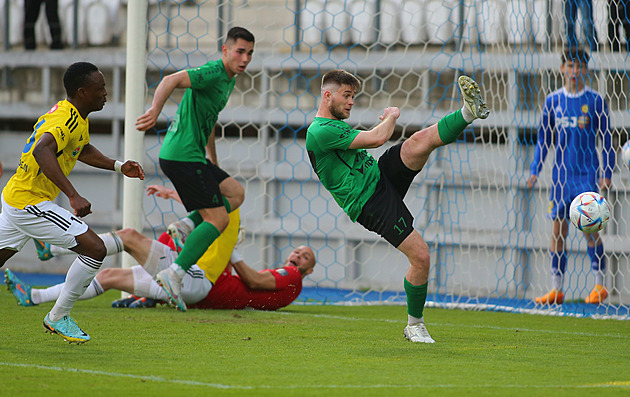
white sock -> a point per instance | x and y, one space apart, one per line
113 244
467 115
52 293
157 292
46 295
556 281
78 279
178 270
411 320
186 225
57 251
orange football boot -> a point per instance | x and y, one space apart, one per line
597 295
550 298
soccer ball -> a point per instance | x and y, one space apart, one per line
589 212
625 154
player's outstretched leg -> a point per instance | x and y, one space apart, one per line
418 333
66 327
171 284
21 291
43 250
472 97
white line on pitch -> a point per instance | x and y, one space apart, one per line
620 385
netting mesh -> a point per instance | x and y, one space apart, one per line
488 235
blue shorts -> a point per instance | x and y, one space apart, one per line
561 197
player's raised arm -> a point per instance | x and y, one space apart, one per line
252 278
162 93
380 134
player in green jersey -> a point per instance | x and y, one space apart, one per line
371 191
207 191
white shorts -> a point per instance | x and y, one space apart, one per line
195 284
45 221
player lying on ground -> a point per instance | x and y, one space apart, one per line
269 289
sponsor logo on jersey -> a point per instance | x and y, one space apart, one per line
584 109
52 109
76 151
282 272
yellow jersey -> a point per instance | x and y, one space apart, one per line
29 185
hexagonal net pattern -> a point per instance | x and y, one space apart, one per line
488 233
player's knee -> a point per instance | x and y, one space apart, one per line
127 234
98 250
237 197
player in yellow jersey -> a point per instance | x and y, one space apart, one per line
60 138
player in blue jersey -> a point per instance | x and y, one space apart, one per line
574 117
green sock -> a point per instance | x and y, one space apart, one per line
416 296
227 205
451 126
196 217
196 244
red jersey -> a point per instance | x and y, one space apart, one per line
230 292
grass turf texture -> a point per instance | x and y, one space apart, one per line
309 351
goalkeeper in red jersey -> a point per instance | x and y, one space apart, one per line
209 284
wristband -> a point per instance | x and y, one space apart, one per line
118 166
235 258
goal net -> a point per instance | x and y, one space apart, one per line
488 234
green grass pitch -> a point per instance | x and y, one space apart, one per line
309 351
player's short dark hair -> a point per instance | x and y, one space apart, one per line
575 54
76 76
238 32
340 77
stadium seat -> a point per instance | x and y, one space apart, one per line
444 18
362 16
337 23
491 21
16 21
311 22
99 23
519 21
413 22
389 33
66 15
539 21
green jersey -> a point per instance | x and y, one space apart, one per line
197 113
350 175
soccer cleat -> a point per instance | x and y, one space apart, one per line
418 333
178 236
472 97
171 284
552 297
597 295
124 302
43 250
66 327
143 302
21 291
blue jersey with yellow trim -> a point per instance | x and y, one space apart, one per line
29 185
574 121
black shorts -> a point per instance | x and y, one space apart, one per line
385 212
196 183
